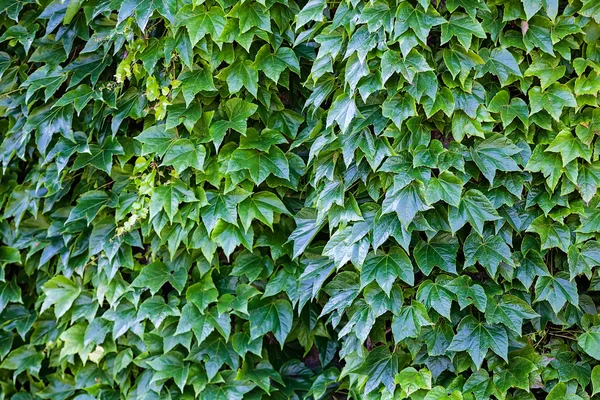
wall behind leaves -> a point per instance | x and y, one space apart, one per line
224 199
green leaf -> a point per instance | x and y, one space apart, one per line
463 28
438 252
201 21
591 9
406 201
596 380
202 294
415 19
384 268
274 316
569 148
342 291
100 157
241 74
169 197
487 250
170 365
474 208
273 64
60 292
510 311
156 139
399 109
10 292
503 64
409 321
152 276
253 15
476 338
547 70
554 99
495 154
25 358
446 187
259 164
411 380
343 111
552 233
557 290
509 109
436 295
88 206
380 366
262 206
590 342
584 259
183 154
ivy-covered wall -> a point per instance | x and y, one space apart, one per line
289 199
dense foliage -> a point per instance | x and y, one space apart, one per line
253 199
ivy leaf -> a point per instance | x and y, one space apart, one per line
503 64
476 338
183 154
152 276
399 109
415 19
88 206
438 252
384 268
463 28
343 111
495 154
436 295
590 9
342 291
261 206
569 148
170 365
595 380
515 374
274 316
201 21
10 292
409 321
468 293
380 366
556 290
156 139
584 259
474 208
509 109
590 342
307 226
100 157
240 74
259 164
487 250
25 358
552 233
411 380
406 202
253 15
445 187
143 9
547 70
553 99
273 64
510 311
61 293
169 197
